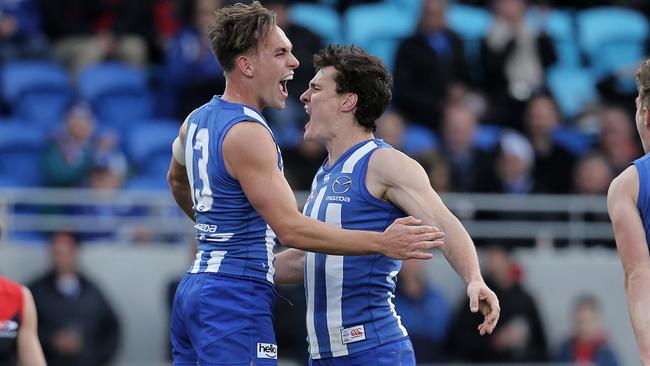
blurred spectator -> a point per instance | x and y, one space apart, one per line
76 324
192 73
302 162
416 299
553 163
515 58
514 165
519 337
437 168
84 32
592 175
391 128
471 167
68 157
618 141
426 64
588 343
288 124
20 30
106 178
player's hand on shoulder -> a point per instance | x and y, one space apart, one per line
407 238
482 299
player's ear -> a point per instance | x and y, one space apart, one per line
349 102
245 65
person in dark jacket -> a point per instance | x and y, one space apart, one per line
426 64
520 336
76 324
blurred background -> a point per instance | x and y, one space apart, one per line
522 112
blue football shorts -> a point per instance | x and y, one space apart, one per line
220 319
396 353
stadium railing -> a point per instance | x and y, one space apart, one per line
30 214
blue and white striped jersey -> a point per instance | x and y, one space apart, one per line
642 165
349 298
233 237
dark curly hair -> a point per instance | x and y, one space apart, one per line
360 73
237 29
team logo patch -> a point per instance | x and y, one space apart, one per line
267 350
342 184
8 329
353 334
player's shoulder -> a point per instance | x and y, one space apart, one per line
625 184
391 165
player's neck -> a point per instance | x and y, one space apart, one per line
342 143
237 93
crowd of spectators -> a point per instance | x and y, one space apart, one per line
479 121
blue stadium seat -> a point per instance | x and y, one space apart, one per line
148 145
20 154
117 92
559 25
572 88
487 136
36 91
472 24
378 28
573 140
613 38
419 139
320 19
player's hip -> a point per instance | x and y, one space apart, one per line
398 352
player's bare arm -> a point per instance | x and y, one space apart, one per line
250 155
290 266
177 175
29 347
397 178
633 250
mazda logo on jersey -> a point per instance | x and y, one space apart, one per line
342 184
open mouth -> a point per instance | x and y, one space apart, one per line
283 88
283 84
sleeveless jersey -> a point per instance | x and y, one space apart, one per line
11 317
233 238
349 298
643 200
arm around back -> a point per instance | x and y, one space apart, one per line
250 155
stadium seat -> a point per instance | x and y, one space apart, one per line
378 28
472 24
36 91
320 19
117 92
20 154
419 139
487 136
148 145
613 39
572 88
559 25
573 140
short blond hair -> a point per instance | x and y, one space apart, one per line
239 29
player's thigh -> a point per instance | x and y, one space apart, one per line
182 306
235 322
397 353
